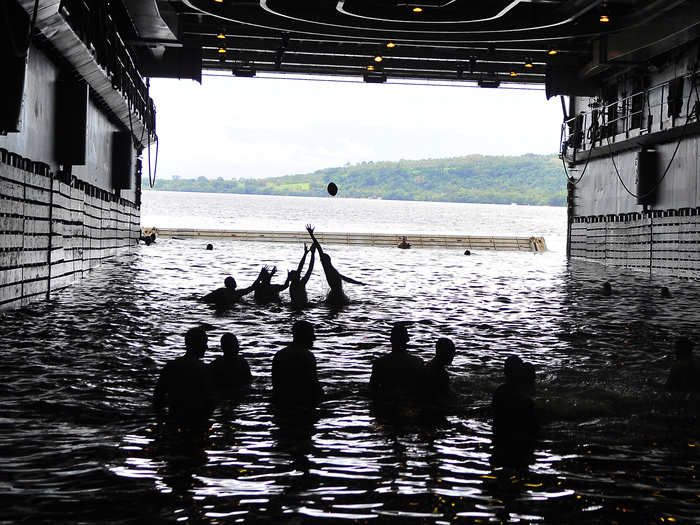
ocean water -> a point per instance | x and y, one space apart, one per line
80 444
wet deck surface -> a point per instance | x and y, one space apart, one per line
79 441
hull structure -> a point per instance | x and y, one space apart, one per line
633 193
69 155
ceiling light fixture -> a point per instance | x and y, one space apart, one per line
604 15
513 74
222 50
528 63
370 68
390 44
552 51
417 9
378 58
221 36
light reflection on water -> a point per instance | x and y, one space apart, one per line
79 441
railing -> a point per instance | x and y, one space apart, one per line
93 23
661 107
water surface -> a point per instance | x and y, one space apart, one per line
80 443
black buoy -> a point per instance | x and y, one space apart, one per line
665 292
210 246
332 189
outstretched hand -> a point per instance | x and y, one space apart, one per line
310 229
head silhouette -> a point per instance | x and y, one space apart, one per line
195 342
325 258
293 275
210 246
230 283
399 337
229 345
303 334
607 288
512 367
445 351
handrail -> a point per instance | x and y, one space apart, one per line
643 110
94 25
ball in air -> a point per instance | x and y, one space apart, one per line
332 189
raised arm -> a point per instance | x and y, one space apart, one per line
303 259
311 265
282 287
310 229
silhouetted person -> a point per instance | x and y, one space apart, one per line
514 417
607 288
148 239
294 377
437 380
665 292
685 370
467 252
335 279
404 244
397 376
183 393
265 291
210 246
297 284
230 372
229 295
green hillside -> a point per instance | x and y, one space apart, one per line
525 179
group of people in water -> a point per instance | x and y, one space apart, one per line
264 291
188 390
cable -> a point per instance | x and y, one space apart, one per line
670 162
152 180
588 159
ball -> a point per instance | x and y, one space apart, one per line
332 189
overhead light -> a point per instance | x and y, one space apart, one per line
378 58
513 74
222 50
528 63
375 78
604 16
552 51
219 1
390 44
417 9
370 68
221 36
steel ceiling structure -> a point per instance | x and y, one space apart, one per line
493 42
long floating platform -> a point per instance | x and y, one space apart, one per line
416 240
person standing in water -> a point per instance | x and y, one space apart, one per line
265 291
335 279
297 284
222 297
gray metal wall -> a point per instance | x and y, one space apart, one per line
53 230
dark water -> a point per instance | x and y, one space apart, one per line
79 442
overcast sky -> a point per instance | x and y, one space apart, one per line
259 127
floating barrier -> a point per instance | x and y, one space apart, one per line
416 240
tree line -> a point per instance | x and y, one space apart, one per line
524 179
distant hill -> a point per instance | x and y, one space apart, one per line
524 179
